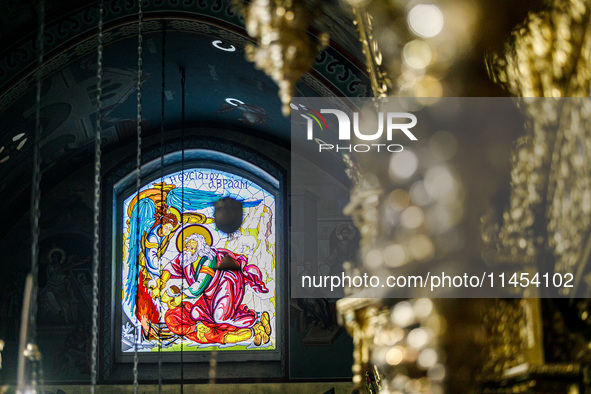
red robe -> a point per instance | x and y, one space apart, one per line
220 306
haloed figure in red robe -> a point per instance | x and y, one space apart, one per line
213 312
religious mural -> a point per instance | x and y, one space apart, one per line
185 283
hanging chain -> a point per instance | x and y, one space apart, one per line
30 353
40 375
36 186
138 174
162 98
97 196
34 377
183 205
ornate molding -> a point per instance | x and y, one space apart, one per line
73 37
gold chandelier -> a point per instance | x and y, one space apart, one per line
284 50
546 223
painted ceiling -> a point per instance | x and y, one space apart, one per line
206 38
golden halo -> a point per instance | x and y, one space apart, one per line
176 213
193 229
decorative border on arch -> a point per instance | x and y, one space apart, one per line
76 27
73 38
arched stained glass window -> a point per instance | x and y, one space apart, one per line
187 284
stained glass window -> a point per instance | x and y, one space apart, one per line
185 283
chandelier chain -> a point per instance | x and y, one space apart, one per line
28 351
36 186
97 196
138 173
162 101
183 81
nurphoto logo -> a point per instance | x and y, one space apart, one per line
395 122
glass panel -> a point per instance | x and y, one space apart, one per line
186 283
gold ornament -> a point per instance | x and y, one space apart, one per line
284 51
